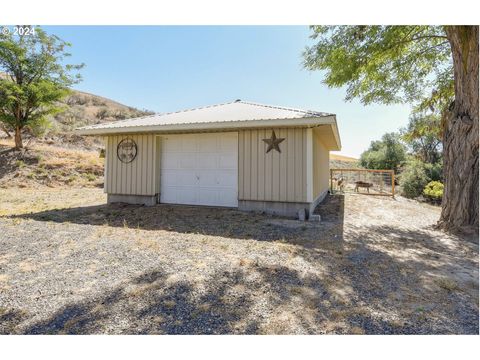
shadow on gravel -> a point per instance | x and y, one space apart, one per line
151 304
367 279
211 221
359 290
9 319
293 303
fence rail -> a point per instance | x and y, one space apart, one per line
363 181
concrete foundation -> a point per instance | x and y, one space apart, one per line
317 201
289 209
147 200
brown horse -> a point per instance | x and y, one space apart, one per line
362 184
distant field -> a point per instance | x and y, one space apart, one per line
339 157
343 162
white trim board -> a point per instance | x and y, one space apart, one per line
309 165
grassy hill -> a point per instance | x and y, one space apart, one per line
43 164
81 109
343 162
59 157
86 109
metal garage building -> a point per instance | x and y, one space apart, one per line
240 154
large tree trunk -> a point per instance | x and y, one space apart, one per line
460 135
18 138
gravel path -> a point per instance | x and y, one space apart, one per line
373 265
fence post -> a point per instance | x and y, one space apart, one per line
331 182
393 183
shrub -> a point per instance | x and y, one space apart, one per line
40 127
120 115
98 101
71 116
90 177
433 191
76 99
413 179
387 153
434 171
72 178
102 114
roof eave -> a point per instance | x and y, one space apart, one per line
336 134
222 125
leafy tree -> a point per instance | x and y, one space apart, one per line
34 79
432 67
387 153
434 171
413 179
423 137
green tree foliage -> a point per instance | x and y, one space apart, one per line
385 64
34 78
387 153
423 137
434 171
413 178
433 68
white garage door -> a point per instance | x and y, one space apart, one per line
199 169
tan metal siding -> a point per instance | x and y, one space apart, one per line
273 176
260 184
321 159
137 177
254 164
300 187
283 173
157 164
240 164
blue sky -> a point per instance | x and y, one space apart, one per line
169 68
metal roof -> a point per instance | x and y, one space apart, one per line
234 111
232 115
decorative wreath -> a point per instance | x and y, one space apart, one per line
126 150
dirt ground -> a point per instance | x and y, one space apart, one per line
71 264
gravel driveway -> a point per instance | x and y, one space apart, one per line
373 265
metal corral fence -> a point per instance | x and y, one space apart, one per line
364 181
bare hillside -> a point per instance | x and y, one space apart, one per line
43 164
86 109
338 161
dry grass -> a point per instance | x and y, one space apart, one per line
343 162
85 109
48 165
339 157
169 304
447 284
26 201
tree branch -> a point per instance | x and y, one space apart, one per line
5 130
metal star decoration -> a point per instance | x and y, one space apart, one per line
273 142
